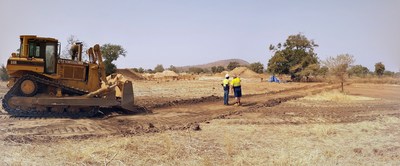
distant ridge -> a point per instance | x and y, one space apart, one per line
223 63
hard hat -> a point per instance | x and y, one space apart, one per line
226 75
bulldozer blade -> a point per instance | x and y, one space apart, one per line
127 102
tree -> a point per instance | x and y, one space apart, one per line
110 67
295 55
309 71
338 66
149 71
214 69
140 70
323 71
358 70
135 70
232 65
257 67
217 69
159 68
379 68
173 68
389 73
196 70
3 73
220 69
111 52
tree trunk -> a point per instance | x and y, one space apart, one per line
342 88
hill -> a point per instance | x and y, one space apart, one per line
223 63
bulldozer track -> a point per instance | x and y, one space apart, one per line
58 131
32 112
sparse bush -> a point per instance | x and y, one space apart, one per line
232 65
217 69
3 73
358 70
323 71
150 71
388 73
173 68
257 67
159 68
140 70
310 70
338 66
379 68
135 70
196 70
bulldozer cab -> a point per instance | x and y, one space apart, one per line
46 50
42 49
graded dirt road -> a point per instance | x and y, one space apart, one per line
167 115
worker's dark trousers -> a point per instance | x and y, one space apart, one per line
226 97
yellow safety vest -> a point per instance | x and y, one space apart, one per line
236 82
225 82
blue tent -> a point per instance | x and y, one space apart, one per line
273 79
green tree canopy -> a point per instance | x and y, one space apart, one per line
111 52
310 70
379 68
323 71
196 70
159 68
140 70
295 55
358 70
257 67
217 69
173 68
233 65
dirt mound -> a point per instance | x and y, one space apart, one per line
165 73
130 74
244 72
222 74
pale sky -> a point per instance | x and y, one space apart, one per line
190 32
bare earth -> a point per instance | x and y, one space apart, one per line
292 123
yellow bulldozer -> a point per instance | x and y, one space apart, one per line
44 85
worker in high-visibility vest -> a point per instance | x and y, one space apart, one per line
237 89
225 85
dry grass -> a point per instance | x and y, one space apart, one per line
376 80
221 143
336 96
